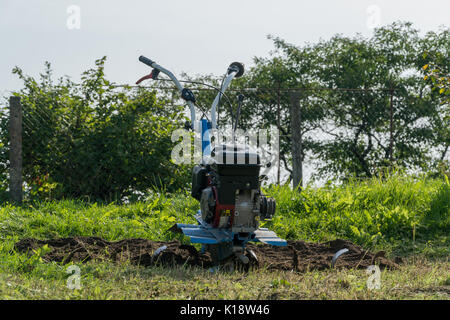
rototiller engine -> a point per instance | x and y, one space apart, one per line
227 184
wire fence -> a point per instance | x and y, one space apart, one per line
344 131
323 133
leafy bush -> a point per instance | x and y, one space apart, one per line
93 140
393 208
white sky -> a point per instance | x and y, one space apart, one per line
196 36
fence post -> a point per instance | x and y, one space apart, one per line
391 126
15 150
278 127
296 141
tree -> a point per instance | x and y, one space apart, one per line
365 105
435 64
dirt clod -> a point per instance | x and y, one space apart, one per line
298 255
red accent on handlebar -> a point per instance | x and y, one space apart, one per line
149 76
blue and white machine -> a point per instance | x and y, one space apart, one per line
227 185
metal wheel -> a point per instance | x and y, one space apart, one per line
253 263
247 264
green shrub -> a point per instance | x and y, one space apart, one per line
365 211
93 140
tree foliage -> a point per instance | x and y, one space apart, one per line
95 140
351 89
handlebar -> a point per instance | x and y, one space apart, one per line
235 70
147 61
184 92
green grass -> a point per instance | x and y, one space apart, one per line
419 280
392 213
403 215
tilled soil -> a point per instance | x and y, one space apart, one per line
298 255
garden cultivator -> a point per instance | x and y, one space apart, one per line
227 185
